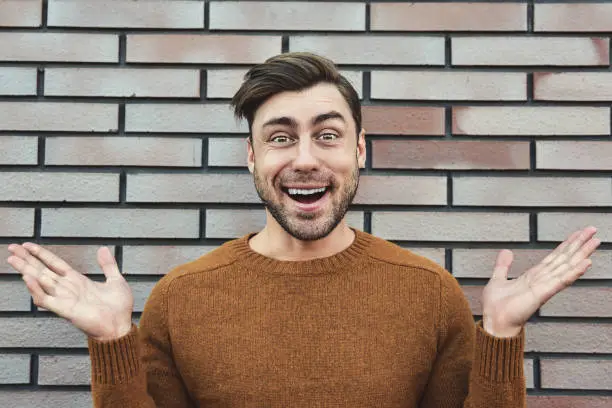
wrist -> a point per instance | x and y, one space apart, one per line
500 330
116 334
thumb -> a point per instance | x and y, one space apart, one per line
108 264
502 264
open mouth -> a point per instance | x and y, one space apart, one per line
306 195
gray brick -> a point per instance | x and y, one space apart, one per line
14 296
141 291
14 369
17 81
558 226
19 150
568 337
406 190
159 260
125 223
64 370
36 399
18 222
227 151
47 332
46 186
59 47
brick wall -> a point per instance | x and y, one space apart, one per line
489 127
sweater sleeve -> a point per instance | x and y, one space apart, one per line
138 370
473 369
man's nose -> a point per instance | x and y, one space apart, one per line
305 159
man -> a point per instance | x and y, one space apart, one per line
307 312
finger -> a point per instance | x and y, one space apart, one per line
23 253
23 267
561 247
48 284
502 264
572 247
40 297
107 262
568 275
585 251
52 261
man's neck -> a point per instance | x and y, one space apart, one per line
274 242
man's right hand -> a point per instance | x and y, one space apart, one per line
103 310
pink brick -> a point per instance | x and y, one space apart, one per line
452 155
20 13
16 222
123 151
227 151
573 17
546 401
481 50
65 187
532 191
576 374
580 302
122 82
159 260
202 49
287 15
572 155
120 222
573 86
58 116
568 337
367 49
403 120
58 47
557 226
126 13
83 258
401 190
473 294
449 85
527 120
447 226
17 81
448 16
478 263
19 150
189 118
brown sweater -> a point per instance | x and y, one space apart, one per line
372 326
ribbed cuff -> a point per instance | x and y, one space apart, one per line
499 359
115 361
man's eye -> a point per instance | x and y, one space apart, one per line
280 139
328 136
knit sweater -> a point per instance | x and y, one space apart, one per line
372 326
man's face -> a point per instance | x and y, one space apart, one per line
305 158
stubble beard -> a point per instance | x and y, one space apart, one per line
298 226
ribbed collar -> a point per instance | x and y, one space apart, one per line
343 260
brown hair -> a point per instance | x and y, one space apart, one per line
294 71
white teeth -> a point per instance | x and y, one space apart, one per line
294 191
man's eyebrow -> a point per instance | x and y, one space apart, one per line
327 116
287 121
283 120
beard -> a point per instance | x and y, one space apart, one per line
308 226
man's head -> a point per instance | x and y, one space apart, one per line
306 143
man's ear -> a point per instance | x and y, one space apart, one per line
250 154
361 149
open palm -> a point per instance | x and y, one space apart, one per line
508 304
101 309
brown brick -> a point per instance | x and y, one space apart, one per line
557 226
19 150
478 263
446 226
227 151
236 223
223 83
526 120
545 401
126 13
56 116
14 368
449 85
568 337
573 17
17 81
450 155
191 188
159 260
188 118
574 155
580 302
480 50
124 223
404 190
20 13
573 86
400 120
202 49
123 151
287 15
46 186
122 82
368 49
448 16
532 191
16 222
59 47
576 374
64 370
